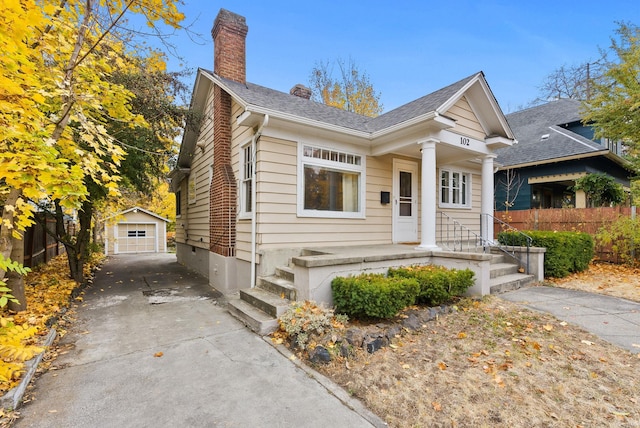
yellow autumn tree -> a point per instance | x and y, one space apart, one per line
55 99
351 90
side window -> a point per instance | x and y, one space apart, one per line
246 184
455 189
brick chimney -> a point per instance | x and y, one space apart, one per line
229 61
229 46
301 91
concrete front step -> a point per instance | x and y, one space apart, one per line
279 286
267 302
502 269
285 272
497 258
258 321
509 282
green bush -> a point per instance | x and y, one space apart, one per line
623 236
373 295
437 284
567 252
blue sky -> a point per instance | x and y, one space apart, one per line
412 48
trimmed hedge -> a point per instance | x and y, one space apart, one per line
437 284
567 252
373 295
380 296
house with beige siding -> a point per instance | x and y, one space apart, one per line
278 194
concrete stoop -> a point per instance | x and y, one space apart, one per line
259 308
505 275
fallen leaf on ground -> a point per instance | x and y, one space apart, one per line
158 354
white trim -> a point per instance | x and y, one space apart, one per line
359 169
412 167
155 244
138 209
428 195
115 239
468 193
243 214
573 138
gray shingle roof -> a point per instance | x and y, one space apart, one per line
541 136
285 103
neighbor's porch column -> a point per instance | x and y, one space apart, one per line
428 195
486 206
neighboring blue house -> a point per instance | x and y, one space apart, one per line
554 149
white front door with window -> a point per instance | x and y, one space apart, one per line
405 201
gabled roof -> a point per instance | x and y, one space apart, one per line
542 137
134 209
264 100
431 108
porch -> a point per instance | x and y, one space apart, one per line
308 276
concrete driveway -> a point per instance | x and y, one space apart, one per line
153 346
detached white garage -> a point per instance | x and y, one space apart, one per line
135 230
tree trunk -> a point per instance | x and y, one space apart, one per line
15 281
6 239
78 249
12 248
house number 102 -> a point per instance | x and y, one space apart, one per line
464 141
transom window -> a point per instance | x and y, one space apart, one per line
455 189
331 183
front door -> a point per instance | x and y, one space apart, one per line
405 201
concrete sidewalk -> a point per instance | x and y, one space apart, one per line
153 346
610 318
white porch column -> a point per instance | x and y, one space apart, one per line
428 195
486 206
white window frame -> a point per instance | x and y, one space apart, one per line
192 189
337 166
245 211
178 203
451 190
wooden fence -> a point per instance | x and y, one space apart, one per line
588 220
39 246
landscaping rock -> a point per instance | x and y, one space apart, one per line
319 355
412 322
345 349
373 345
392 331
355 336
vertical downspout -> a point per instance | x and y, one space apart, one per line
254 192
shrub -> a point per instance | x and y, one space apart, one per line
623 236
437 284
373 295
567 252
305 320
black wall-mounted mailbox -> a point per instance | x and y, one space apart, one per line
385 197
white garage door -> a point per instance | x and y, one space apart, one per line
137 238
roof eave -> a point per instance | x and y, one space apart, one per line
558 159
